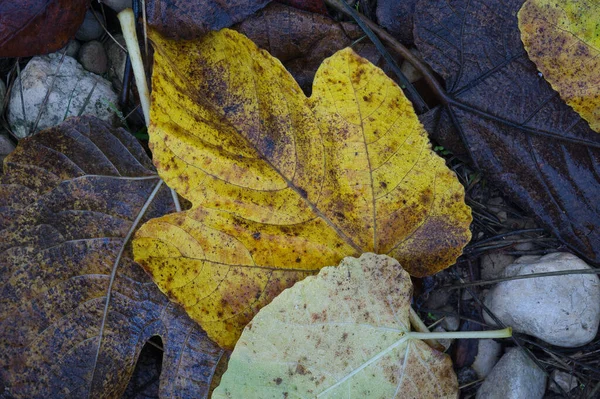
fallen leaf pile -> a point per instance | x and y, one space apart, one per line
95 260
281 184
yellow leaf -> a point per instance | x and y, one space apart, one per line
563 39
282 185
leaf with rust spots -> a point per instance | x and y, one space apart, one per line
302 40
513 126
33 27
563 39
281 184
75 310
358 347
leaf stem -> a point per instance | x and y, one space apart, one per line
127 21
504 333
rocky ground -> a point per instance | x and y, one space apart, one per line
555 319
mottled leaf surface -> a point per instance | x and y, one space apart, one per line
397 17
33 27
340 334
513 125
75 310
282 185
563 39
302 40
185 19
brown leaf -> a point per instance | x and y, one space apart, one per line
397 17
75 310
514 126
302 40
32 27
185 20
316 6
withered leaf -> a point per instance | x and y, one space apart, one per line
185 19
282 184
344 333
397 18
513 125
32 27
302 40
316 6
75 310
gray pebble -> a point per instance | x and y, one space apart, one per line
116 60
118 5
515 376
90 29
93 57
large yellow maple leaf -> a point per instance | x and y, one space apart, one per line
281 184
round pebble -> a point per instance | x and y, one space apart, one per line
93 57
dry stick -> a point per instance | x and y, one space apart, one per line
523 277
127 21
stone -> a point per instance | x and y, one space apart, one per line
90 28
118 5
6 146
437 299
566 381
488 353
450 323
411 73
93 57
445 342
561 310
116 60
75 92
493 265
515 376
2 94
72 48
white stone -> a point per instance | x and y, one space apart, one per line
488 353
75 92
515 376
450 323
561 310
